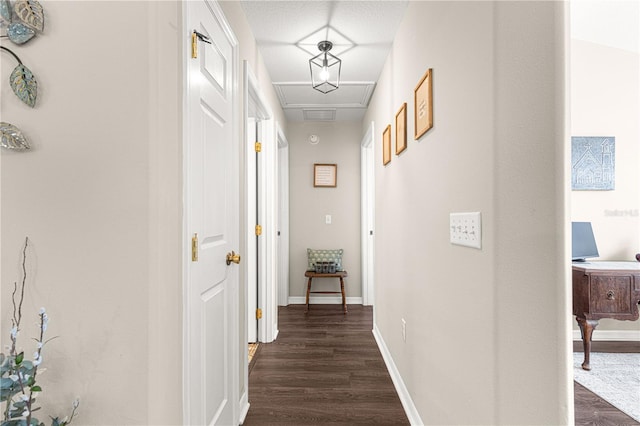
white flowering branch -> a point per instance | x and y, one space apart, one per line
18 388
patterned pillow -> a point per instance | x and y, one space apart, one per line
314 256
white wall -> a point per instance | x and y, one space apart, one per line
99 197
487 330
339 144
605 101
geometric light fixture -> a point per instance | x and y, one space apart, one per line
325 69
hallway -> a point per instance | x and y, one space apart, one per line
325 368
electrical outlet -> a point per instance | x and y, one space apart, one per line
465 229
404 330
327 219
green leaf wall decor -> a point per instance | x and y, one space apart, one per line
19 33
5 10
24 85
31 13
12 138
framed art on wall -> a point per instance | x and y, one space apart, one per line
423 105
325 175
386 145
593 163
401 129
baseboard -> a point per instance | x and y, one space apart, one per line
326 300
244 406
611 335
403 393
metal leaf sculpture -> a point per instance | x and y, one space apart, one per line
22 81
5 10
19 33
12 138
24 85
30 13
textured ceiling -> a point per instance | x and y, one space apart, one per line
287 33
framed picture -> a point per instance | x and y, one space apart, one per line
325 175
593 163
386 145
423 105
401 129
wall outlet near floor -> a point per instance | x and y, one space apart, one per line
465 229
404 330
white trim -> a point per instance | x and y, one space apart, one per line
611 335
244 406
324 300
405 398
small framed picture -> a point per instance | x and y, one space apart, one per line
386 145
325 175
423 105
401 129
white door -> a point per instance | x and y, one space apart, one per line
211 213
367 210
283 218
258 128
253 240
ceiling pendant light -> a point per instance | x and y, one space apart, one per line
325 69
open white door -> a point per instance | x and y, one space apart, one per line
283 217
261 212
211 159
367 214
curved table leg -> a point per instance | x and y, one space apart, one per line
586 328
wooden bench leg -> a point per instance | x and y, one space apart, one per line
344 299
308 291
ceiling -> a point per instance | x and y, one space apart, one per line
287 34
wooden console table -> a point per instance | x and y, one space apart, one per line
604 290
340 274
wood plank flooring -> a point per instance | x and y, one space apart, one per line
325 369
590 409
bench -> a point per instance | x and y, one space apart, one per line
339 274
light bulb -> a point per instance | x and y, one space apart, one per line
324 74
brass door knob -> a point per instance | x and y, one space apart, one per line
233 257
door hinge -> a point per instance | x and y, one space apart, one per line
258 147
258 313
258 230
194 248
194 45
195 36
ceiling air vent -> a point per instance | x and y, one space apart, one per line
319 114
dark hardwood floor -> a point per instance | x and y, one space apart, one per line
325 369
590 409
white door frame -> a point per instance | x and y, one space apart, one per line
256 108
233 327
283 217
367 211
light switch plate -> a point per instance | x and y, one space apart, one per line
327 219
465 229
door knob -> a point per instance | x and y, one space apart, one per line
233 257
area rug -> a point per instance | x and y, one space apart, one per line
615 377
